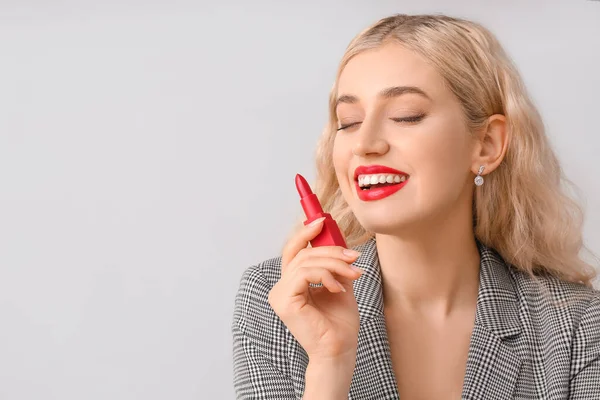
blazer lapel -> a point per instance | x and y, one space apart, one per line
492 365
373 374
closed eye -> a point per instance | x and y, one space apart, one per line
348 126
414 118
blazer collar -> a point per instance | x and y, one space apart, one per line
496 319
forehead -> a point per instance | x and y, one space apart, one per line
389 65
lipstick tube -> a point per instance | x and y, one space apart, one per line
330 235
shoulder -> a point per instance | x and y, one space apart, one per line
252 311
258 279
552 301
261 341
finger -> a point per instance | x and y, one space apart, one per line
300 240
304 276
339 252
333 265
308 253
342 253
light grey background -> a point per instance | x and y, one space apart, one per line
147 157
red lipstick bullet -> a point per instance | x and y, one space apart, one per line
331 234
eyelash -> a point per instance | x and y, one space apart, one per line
415 118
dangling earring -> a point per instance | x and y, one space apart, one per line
479 179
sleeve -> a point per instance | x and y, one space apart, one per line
255 376
585 361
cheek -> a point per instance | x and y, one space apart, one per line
341 157
443 162
337 157
340 161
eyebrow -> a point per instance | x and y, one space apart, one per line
386 93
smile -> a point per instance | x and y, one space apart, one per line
378 180
375 182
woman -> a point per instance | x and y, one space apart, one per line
437 169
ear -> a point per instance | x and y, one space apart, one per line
492 143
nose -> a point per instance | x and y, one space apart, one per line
369 141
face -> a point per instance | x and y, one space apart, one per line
416 131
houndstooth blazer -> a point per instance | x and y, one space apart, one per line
523 346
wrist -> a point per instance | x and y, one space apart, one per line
329 379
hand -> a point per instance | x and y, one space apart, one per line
324 320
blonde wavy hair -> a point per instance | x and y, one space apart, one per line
522 211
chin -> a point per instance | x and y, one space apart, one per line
385 222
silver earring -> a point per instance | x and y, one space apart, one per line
479 179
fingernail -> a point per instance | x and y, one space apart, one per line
351 253
316 221
356 269
341 286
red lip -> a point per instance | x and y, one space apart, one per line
376 169
377 193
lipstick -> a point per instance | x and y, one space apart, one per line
378 193
381 192
330 235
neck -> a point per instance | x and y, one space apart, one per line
434 271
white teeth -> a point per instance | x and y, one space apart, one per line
368 180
